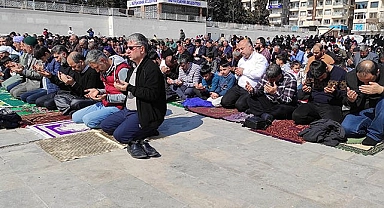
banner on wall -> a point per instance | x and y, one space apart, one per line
136 3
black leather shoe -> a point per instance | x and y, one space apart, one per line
136 151
268 118
151 152
155 133
368 141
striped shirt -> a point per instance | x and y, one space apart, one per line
191 76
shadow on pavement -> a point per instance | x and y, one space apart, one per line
172 126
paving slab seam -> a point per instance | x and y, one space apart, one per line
19 144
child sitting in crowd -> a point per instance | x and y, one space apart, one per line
298 73
226 82
208 84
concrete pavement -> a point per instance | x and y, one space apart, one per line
205 163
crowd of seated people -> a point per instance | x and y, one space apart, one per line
303 79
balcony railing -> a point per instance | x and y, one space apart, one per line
338 13
224 25
340 3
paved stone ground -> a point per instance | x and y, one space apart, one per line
205 163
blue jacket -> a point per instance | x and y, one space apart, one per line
225 83
53 67
299 56
211 85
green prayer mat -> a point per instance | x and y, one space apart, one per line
354 145
20 107
6 100
177 104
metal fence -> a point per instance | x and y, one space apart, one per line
225 25
69 8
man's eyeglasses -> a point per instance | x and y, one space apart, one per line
132 47
55 57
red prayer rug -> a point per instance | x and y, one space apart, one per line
213 112
285 130
40 118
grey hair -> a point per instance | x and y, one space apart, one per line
273 71
77 57
363 47
83 40
184 58
59 49
94 56
295 46
140 39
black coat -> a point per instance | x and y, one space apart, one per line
363 101
325 131
149 91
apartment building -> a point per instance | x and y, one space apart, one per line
331 13
368 18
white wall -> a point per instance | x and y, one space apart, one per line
30 21
216 32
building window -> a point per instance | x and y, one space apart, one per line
358 27
327 12
373 15
360 15
342 22
274 3
302 14
303 4
361 5
327 21
375 4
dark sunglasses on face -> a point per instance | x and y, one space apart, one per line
132 47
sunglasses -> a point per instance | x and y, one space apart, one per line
132 47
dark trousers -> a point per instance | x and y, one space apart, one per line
47 101
203 94
236 97
125 126
68 103
183 91
31 96
261 104
308 112
9 88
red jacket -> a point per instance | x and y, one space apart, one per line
108 83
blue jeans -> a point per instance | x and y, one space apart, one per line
94 114
31 96
368 122
355 125
9 87
125 126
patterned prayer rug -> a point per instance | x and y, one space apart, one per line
213 112
285 130
58 129
78 145
43 118
237 117
354 145
28 109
